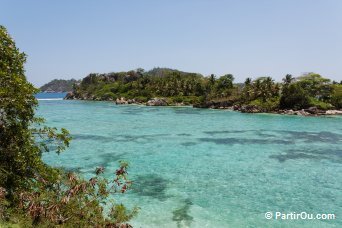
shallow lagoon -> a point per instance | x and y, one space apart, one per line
207 168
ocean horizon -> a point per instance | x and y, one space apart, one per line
50 96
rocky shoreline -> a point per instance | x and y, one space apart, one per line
311 111
152 102
157 101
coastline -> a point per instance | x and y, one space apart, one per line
311 111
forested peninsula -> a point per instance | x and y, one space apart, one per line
308 94
58 85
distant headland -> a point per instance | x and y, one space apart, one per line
58 86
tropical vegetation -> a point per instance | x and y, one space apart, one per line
186 88
32 193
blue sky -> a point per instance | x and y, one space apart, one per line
71 38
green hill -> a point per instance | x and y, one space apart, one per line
59 85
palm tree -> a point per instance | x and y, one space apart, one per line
257 88
288 79
247 90
248 81
212 79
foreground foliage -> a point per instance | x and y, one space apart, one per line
32 193
71 201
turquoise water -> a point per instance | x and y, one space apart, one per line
207 168
50 96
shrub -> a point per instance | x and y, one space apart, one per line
320 104
294 97
108 96
142 99
336 97
268 105
72 201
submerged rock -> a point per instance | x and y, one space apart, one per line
181 215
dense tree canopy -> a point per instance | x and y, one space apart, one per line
192 88
32 193
294 96
20 157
